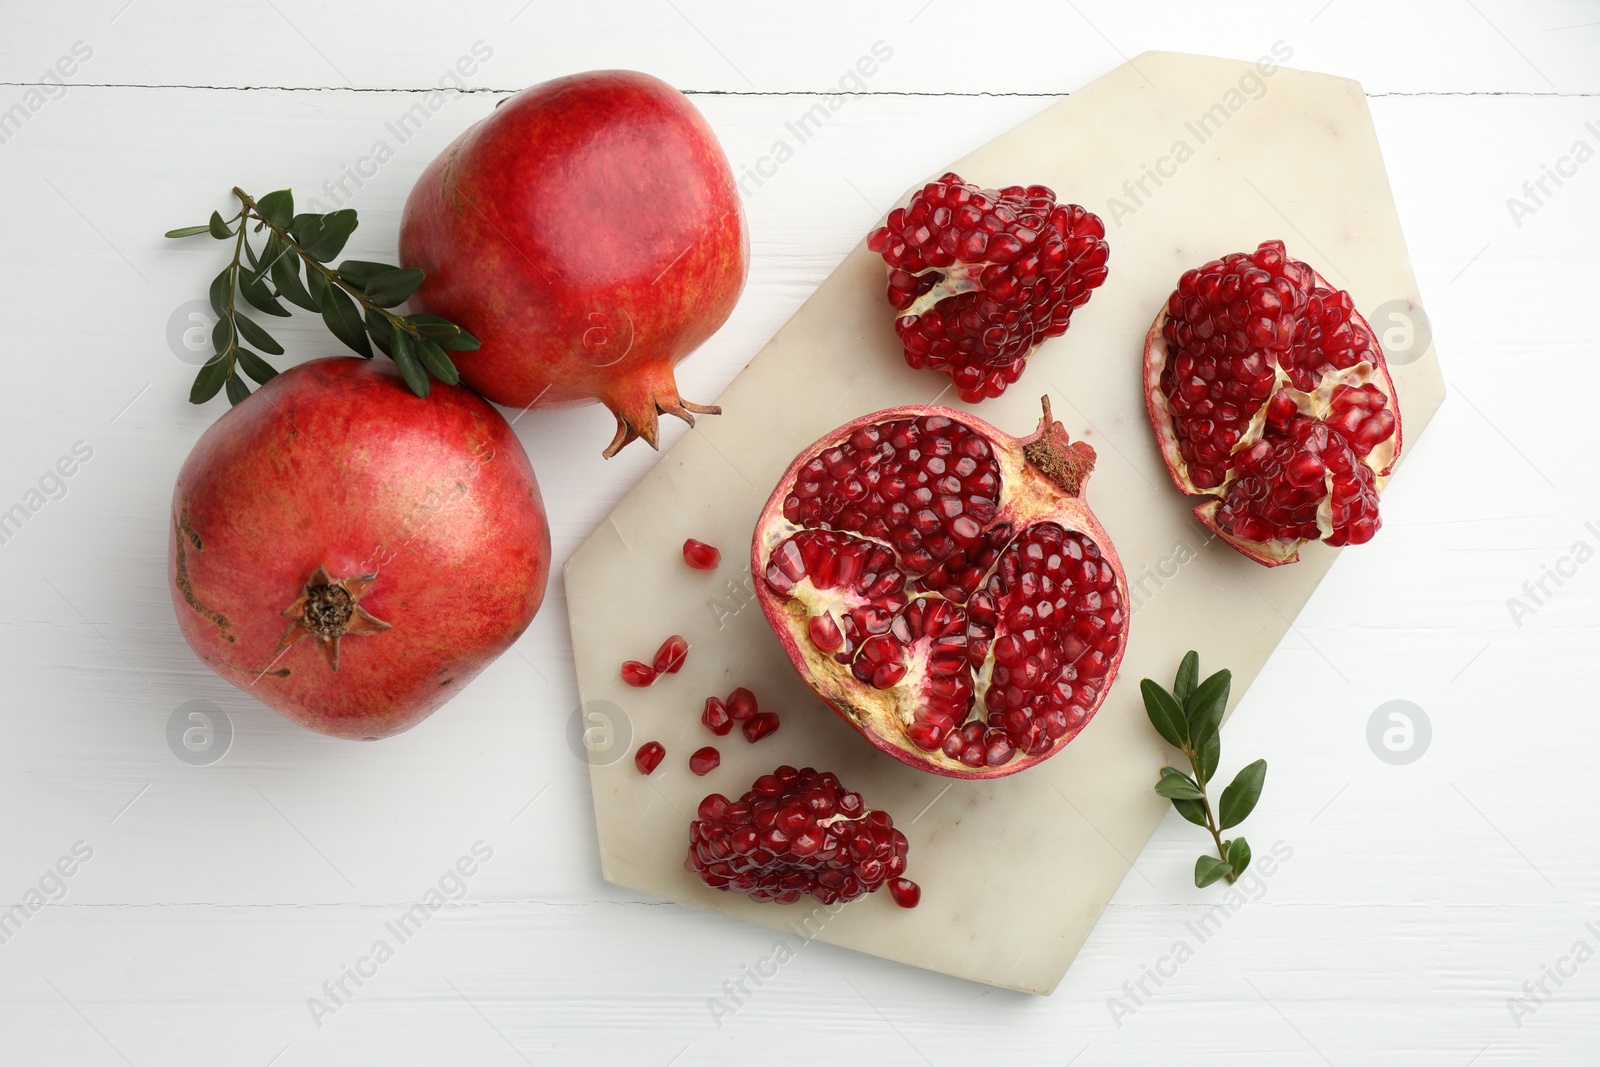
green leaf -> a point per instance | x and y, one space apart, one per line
1208 869
446 333
222 291
331 235
237 390
433 357
1238 855
405 358
250 257
253 365
187 231
286 276
277 208
306 228
316 285
340 313
1188 672
210 379
259 296
358 272
269 252
218 228
1206 704
1192 810
1175 785
1165 714
1239 799
255 335
381 331
222 335
462 342
1205 764
394 286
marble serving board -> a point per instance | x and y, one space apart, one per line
1186 158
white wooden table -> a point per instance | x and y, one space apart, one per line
211 909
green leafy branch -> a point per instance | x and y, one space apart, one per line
1189 718
353 298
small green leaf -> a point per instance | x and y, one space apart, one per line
1165 714
286 276
1238 855
1175 785
1206 704
1192 810
379 328
218 228
1239 799
405 358
461 342
188 231
210 379
316 285
255 335
394 286
253 365
1205 764
277 208
340 313
222 291
250 257
439 365
1208 869
331 235
358 272
259 296
446 333
269 254
222 335
306 228
1188 673
237 390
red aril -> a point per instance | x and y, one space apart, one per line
742 705
649 756
589 232
701 556
944 587
760 726
353 555
1270 397
905 892
795 832
705 760
639 675
715 717
670 657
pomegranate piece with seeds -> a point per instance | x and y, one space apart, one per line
705 760
796 832
944 587
701 556
1270 396
638 674
648 758
671 655
981 277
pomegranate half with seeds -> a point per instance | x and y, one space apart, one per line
1270 396
943 586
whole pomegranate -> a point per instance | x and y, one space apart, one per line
589 232
944 587
352 555
1270 396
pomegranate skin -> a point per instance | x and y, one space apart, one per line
590 233
335 465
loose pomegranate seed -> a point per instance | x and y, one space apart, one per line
701 556
905 892
760 726
716 717
705 760
671 655
648 758
981 277
742 705
638 674
795 832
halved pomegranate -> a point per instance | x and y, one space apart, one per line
1270 396
944 588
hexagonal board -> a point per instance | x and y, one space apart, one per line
1186 158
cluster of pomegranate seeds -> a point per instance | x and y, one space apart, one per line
1278 400
797 832
648 758
671 655
701 556
981 277
638 674
995 640
704 760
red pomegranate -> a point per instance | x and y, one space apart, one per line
1270 396
944 587
352 555
589 232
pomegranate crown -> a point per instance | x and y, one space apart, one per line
1056 456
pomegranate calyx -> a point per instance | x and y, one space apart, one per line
1056 456
330 608
640 420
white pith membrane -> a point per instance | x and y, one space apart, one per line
1317 403
1027 499
958 278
